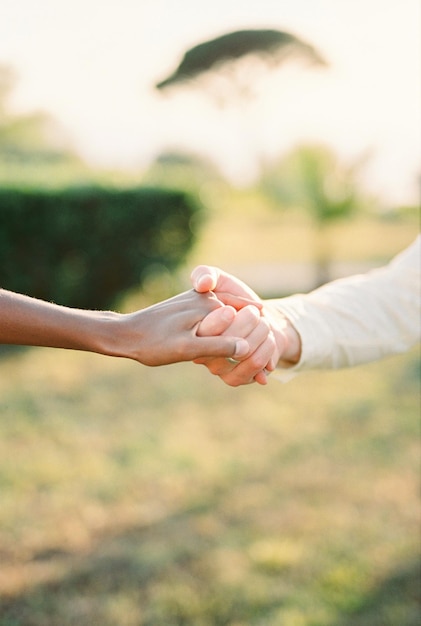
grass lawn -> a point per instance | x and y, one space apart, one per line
138 496
133 496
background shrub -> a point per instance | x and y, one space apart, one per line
85 247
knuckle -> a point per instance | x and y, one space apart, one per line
250 313
258 362
271 342
265 326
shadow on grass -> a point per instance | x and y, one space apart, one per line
149 576
172 573
395 602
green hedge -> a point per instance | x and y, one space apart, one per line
86 247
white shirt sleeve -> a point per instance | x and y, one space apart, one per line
358 319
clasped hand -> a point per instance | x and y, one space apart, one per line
267 340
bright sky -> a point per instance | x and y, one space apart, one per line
93 64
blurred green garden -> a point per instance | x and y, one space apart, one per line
161 497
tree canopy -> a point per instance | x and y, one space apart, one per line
272 46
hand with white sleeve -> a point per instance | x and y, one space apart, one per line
282 343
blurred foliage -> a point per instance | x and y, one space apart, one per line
29 138
85 247
271 46
75 235
313 178
176 169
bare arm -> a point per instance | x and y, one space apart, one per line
161 334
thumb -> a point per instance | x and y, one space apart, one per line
204 278
221 346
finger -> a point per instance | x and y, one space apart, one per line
238 302
261 378
220 348
273 361
247 324
204 278
238 377
246 320
252 368
257 335
244 323
216 322
261 345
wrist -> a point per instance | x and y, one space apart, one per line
287 339
113 336
292 351
89 331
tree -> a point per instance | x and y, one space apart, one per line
313 178
227 52
228 67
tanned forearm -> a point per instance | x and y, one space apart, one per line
31 322
158 335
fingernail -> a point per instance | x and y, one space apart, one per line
203 279
241 348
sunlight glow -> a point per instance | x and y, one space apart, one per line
93 65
